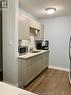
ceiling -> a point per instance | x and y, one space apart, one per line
37 7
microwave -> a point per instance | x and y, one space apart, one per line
22 50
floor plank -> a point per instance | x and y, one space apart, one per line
51 82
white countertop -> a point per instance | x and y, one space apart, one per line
6 89
28 55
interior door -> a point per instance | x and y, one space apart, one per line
1 65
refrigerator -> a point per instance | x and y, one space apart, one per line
1 65
70 60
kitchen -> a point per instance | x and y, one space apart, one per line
56 31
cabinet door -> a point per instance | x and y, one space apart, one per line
34 24
23 28
40 34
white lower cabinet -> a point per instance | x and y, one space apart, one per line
29 68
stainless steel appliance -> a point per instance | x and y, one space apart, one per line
22 50
70 59
42 45
39 44
45 45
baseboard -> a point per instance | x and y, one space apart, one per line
11 83
59 68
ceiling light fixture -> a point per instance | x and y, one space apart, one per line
50 10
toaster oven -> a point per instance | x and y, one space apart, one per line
22 50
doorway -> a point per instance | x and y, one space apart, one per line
1 64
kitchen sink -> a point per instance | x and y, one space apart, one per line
35 51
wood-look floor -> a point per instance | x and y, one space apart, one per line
51 82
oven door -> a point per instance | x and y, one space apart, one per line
23 50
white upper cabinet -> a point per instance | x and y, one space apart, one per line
25 23
23 27
40 34
34 24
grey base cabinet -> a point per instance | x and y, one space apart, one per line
29 68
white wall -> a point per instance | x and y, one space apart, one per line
10 42
57 31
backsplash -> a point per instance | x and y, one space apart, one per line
24 43
30 43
